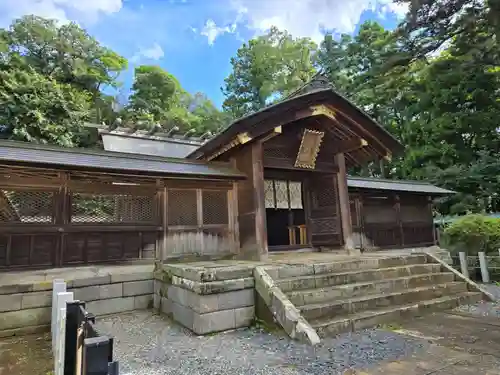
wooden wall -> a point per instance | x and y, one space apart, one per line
386 220
53 219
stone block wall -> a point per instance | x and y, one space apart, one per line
26 307
206 300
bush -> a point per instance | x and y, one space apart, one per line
474 233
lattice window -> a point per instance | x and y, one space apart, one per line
26 206
107 208
281 189
215 209
283 194
182 207
295 191
269 200
325 197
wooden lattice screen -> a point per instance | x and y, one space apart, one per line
215 208
112 208
26 206
325 218
198 222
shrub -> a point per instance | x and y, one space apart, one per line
474 233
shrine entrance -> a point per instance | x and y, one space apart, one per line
285 215
295 155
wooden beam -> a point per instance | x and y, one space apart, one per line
344 207
374 141
350 145
276 131
240 139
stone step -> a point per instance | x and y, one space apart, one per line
364 263
318 295
331 279
374 301
392 314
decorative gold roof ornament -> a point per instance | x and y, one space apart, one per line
322 109
240 139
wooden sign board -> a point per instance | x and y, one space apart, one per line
309 149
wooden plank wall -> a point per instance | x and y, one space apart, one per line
386 220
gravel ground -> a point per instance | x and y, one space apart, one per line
148 344
485 308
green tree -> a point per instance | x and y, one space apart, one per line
36 108
52 81
159 100
266 69
67 53
153 93
354 66
431 25
442 108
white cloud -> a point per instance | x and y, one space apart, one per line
86 11
397 9
309 17
212 31
155 52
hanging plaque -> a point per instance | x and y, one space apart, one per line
309 148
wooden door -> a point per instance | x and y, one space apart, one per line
323 211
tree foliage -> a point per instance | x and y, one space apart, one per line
159 100
52 79
474 233
266 69
36 108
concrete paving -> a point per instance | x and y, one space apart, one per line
462 344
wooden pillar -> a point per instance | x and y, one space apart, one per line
251 207
164 224
62 216
344 207
259 194
397 206
434 234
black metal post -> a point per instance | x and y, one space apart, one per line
73 322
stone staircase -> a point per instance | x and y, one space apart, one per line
356 294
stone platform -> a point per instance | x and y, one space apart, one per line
26 297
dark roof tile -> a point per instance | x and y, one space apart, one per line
396 185
84 159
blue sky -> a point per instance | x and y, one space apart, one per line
195 39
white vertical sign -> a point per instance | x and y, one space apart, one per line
60 330
58 286
60 334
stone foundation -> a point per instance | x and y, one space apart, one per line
206 299
26 306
